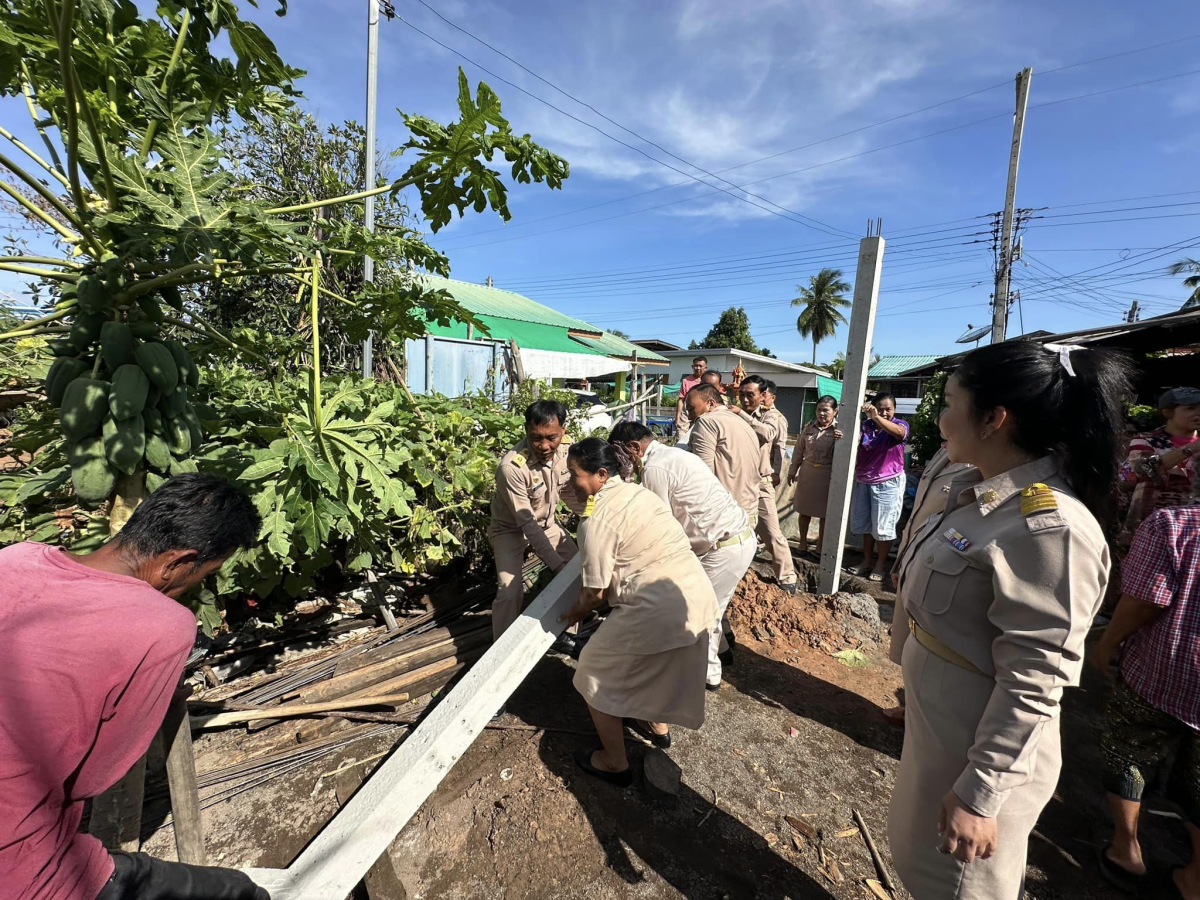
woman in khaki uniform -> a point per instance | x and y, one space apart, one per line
1000 589
812 466
645 665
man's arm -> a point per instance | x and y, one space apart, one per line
898 430
703 443
1130 615
765 431
509 480
1148 587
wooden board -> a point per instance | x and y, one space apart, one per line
338 858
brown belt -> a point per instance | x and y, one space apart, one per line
935 646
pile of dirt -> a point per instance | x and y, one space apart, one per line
762 610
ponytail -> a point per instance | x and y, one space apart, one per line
1077 417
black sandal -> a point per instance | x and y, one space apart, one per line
583 759
661 741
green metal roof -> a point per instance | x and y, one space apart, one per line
490 301
891 366
611 345
531 335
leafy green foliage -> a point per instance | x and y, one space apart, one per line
925 437
732 329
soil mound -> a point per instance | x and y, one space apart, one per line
762 610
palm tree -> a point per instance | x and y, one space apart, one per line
1192 282
821 300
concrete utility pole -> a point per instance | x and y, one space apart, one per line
1004 270
369 159
858 361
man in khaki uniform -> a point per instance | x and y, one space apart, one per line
726 444
530 480
1000 589
779 445
767 424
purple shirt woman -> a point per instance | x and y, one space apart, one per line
878 484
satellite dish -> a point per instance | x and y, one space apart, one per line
974 334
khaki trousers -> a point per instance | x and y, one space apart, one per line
510 551
725 568
768 529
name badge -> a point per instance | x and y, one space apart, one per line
956 539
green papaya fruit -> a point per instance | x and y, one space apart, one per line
116 345
145 331
192 421
172 296
153 482
62 372
124 443
154 397
85 329
92 294
182 361
84 406
151 308
179 438
129 391
153 419
180 466
158 454
158 364
61 347
81 452
172 404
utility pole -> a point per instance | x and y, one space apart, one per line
369 159
1134 313
1004 270
858 361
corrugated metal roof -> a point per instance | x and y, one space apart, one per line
490 301
891 366
531 335
611 345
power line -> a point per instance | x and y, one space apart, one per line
802 220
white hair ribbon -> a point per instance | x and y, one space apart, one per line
1064 355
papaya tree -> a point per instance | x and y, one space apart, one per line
131 183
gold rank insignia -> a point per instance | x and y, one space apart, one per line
590 507
518 460
1037 498
989 497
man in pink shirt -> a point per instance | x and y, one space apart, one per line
93 650
683 421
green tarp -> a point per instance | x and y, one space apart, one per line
829 386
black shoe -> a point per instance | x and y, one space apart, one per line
565 644
583 759
712 687
789 588
661 741
726 657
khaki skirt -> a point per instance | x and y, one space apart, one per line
812 490
657 687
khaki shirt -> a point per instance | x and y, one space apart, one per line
527 495
632 548
724 441
699 502
932 494
767 424
814 446
1012 588
779 445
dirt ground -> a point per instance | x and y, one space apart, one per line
792 732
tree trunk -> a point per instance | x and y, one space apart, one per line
814 351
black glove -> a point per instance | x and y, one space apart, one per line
141 877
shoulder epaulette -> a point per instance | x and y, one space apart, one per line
1037 498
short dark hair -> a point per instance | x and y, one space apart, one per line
704 389
696 359
593 454
193 511
881 396
771 389
625 432
715 373
543 412
828 398
757 380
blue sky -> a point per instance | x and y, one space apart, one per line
722 84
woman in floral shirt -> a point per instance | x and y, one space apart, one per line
1162 463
